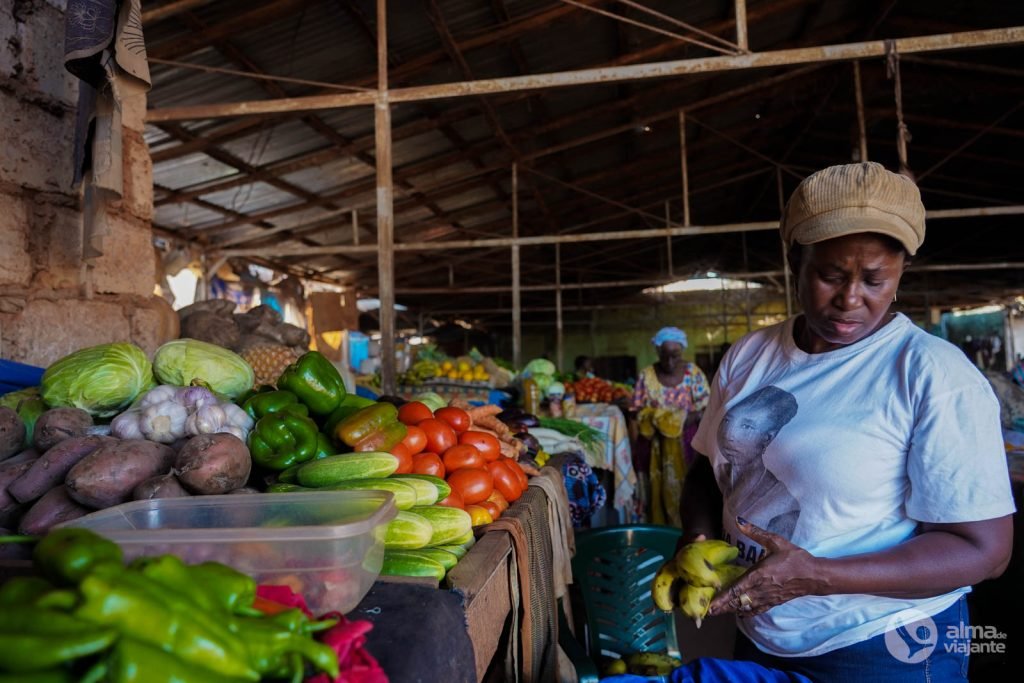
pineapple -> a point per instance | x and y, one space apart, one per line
268 362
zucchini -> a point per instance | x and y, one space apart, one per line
457 550
449 524
405 563
335 469
407 531
442 557
443 489
405 495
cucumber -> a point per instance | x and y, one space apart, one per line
443 489
442 557
406 563
290 475
457 550
407 531
426 491
449 524
335 469
467 541
282 487
405 495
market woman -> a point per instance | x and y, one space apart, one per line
859 459
669 398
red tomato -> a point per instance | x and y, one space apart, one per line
457 457
518 471
440 437
473 484
415 439
457 418
484 442
479 515
404 459
454 500
413 413
492 508
505 481
498 500
428 463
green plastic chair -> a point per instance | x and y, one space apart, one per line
612 574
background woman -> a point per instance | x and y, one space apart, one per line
859 459
669 398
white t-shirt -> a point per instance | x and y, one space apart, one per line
844 452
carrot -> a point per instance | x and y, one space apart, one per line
461 404
495 425
483 411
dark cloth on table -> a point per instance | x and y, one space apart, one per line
419 633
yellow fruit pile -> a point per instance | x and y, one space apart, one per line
464 371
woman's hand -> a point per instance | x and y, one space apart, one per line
787 571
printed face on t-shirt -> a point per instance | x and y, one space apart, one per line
749 426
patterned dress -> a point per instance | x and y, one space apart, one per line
663 453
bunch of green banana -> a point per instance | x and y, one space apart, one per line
651 663
694 576
420 371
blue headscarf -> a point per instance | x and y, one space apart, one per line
669 334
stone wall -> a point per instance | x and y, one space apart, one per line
51 303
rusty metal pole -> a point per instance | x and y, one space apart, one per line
668 239
785 256
559 326
741 25
355 227
517 321
385 209
861 126
685 171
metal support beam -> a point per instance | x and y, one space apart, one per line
517 327
169 9
741 25
559 327
685 171
611 236
1012 35
862 131
785 256
385 209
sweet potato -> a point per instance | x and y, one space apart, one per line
52 509
108 475
53 466
12 432
58 424
162 486
213 463
26 455
10 508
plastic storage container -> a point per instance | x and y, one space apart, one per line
326 545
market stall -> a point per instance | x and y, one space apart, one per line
339 489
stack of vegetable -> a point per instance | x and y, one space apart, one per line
597 390
157 620
540 370
170 439
446 471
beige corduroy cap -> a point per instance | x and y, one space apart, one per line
852 198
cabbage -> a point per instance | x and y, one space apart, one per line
539 366
101 380
555 389
543 381
186 361
431 400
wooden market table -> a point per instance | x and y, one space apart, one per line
479 627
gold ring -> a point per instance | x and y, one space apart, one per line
745 601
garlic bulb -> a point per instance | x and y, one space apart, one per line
162 393
238 417
164 422
206 420
127 425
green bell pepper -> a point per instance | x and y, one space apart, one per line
269 402
280 440
324 447
65 556
315 381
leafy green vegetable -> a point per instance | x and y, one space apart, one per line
183 362
585 434
539 366
101 380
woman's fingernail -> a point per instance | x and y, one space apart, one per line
741 521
